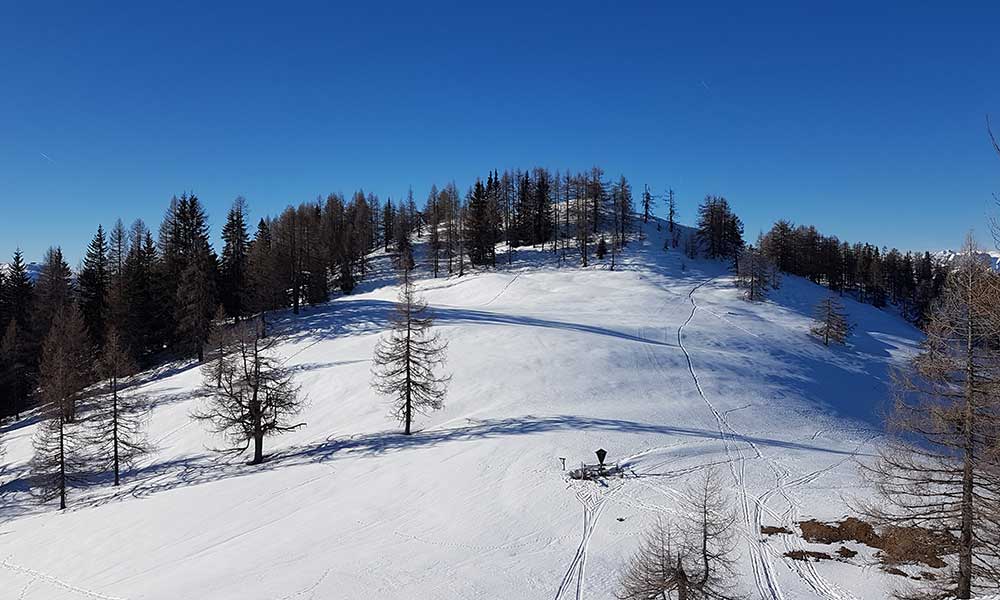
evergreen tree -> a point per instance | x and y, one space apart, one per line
479 226
19 290
719 229
53 291
94 284
389 223
14 375
118 247
195 305
233 264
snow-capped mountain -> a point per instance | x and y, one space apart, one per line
34 269
991 257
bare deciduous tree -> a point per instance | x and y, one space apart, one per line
62 376
755 274
252 395
831 322
405 360
119 435
941 469
691 559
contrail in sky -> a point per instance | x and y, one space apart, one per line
46 157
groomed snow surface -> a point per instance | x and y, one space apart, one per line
659 362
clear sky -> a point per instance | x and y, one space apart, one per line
866 119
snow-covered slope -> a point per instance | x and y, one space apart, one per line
659 363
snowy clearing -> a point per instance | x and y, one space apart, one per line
660 363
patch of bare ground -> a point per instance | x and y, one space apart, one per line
807 555
773 530
896 545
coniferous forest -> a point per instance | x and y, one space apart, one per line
159 291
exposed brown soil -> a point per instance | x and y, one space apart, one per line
898 545
846 552
772 530
807 555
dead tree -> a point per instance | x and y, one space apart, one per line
118 433
252 395
941 468
62 377
406 359
691 559
831 322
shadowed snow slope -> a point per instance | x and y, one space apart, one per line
658 362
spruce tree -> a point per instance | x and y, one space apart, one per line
14 376
53 291
93 284
233 263
195 304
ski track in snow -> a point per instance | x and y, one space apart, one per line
760 554
36 576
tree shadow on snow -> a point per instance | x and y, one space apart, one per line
209 467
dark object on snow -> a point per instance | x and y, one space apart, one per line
601 453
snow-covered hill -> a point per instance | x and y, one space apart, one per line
660 363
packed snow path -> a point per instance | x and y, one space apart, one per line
659 362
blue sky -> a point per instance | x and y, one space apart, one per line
868 122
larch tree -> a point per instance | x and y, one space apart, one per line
406 359
118 433
756 274
648 202
690 558
831 324
671 211
251 393
63 375
940 469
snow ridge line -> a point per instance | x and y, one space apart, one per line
38 575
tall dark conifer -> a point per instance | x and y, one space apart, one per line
93 282
233 264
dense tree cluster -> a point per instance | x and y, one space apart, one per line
872 275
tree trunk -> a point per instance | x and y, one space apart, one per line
965 538
62 465
114 425
408 409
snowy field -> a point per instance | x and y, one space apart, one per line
660 363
